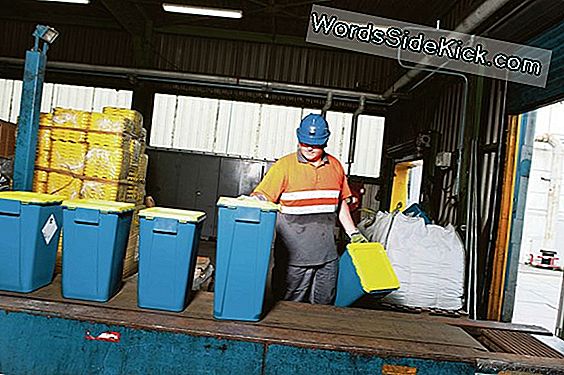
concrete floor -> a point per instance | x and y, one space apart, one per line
537 297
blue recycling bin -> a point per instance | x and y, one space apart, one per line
364 268
30 226
168 248
244 238
94 244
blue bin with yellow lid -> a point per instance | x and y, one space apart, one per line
244 238
364 268
168 247
94 244
30 226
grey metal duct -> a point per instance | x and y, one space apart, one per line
482 13
230 82
354 130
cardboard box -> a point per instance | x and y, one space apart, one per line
7 139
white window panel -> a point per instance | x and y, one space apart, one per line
258 131
75 97
369 140
6 99
111 98
339 141
277 131
195 124
47 97
57 95
162 125
238 128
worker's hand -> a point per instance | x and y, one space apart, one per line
357 237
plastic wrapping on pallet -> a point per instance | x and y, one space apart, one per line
107 162
92 155
68 156
68 135
429 260
121 140
6 173
104 190
70 118
114 123
64 185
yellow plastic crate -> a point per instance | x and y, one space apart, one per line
110 123
119 140
40 187
70 118
143 164
104 190
44 138
64 185
135 150
107 163
40 176
46 119
130 114
40 181
68 156
43 158
141 193
69 135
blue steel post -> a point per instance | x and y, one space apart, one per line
28 123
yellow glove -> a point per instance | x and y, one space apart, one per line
357 237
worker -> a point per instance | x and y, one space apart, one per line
312 190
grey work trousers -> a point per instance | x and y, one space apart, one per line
313 284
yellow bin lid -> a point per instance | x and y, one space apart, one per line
95 204
247 202
373 266
28 197
183 216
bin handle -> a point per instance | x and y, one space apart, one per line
86 222
165 226
247 215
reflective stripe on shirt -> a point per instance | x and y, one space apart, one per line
305 210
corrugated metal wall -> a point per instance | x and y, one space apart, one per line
258 131
485 122
91 99
86 45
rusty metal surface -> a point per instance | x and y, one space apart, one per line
516 343
301 325
364 332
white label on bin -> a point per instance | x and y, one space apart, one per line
49 229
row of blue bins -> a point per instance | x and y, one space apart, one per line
95 239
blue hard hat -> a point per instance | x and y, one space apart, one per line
313 130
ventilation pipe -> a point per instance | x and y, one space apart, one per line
482 13
354 129
328 104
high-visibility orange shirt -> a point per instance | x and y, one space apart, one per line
302 188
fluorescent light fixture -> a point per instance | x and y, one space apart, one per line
202 11
70 1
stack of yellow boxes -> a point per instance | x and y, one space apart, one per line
92 155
